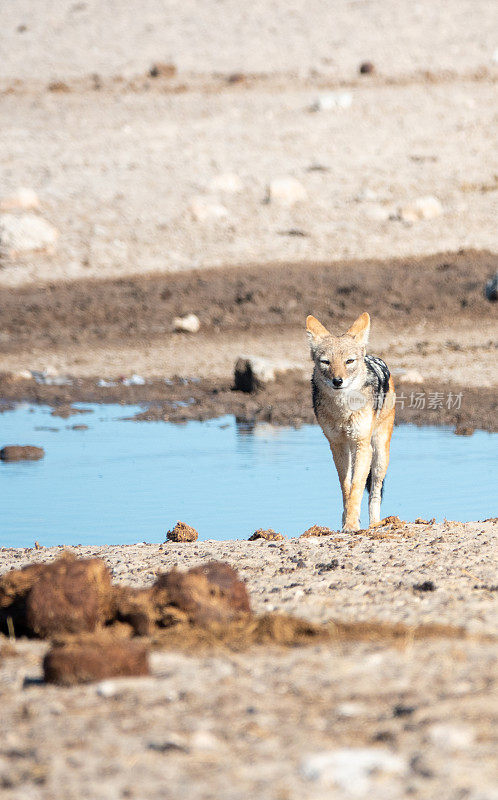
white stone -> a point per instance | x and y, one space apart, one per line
286 191
367 196
22 199
227 182
451 737
494 57
188 324
22 374
25 233
380 213
350 709
352 769
134 380
106 689
204 210
204 740
421 208
331 101
410 376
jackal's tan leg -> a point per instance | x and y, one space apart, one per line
381 441
362 461
341 452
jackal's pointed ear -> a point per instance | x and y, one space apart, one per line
315 330
360 329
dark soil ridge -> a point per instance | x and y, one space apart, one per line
403 292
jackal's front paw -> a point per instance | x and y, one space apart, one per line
351 525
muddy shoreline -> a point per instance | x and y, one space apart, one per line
428 314
285 402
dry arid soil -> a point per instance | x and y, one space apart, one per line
415 689
126 122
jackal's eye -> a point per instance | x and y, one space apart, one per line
325 362
350 361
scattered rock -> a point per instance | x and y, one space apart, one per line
21 452
187 324
327 567
422 208
204 210
58 86
491 289
22 375
253 372
136 608
182 533
270 535
294 232
392 520
227 182
211 593
316 530
401 710
236 77
332 101
366 68
134 380
410 376
67 664
425 586
25 233
66 596
464 430
367 196
420 521
451 737
286 191
77 427
50 377
171 744
352 769
162 70
21 200
103 383
381 213
69 596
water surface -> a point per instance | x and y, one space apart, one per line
122 481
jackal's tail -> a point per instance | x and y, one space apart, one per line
368 485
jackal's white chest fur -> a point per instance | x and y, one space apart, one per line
340 417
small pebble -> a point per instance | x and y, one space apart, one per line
25 233
421 208
332 101
286 191
491 289
23 199
205 210
227 182
188 324
366 68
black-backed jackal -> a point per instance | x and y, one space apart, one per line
354 403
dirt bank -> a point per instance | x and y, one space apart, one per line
256 723
428 314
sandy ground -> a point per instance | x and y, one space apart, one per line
118 167
120 161
246 724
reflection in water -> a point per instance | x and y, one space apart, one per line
122 481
